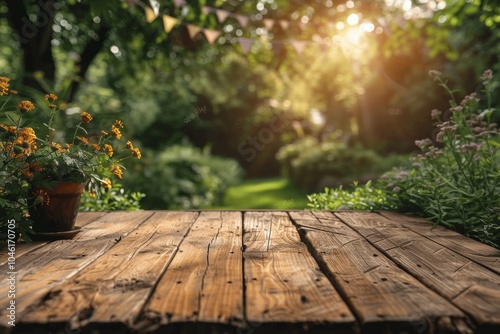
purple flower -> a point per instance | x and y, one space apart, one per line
423 144
469 99
435 114
487 77
434 74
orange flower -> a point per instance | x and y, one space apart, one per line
109 149
13 92
56 147
4 86
42 197
51 96
106 183
25 106
136 152
25 170
10 129
84 140
116 132
26 138
35 167
104 133
86 118
118 124
129 145
96 147
117 171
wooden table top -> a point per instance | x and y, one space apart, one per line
253 272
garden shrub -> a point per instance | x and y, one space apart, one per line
182 177
455 179
112 199
313 165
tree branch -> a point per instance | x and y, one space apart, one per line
88 55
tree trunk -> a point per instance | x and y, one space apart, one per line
35 39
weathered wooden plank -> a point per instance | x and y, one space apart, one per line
22 248
378 292
283 282
471 287
203 282
44 268
476 251
115 286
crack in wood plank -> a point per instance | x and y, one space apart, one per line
389 293
446 272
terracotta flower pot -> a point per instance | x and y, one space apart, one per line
59 214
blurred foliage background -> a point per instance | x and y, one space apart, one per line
207 116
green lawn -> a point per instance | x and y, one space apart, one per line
276 193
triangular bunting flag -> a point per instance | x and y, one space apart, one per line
268 23
169 23
242 20
192 30
150 14
155 5
245 43
221 15
179 3
206 10
211 35
298 46
284 24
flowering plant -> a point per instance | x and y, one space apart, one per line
33 156
453 181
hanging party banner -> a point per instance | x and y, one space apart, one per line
245 43
169 23
284 24
298 46
242 20
150 14
192 30
268 23
222 15
211 35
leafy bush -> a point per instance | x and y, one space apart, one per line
112 199
361 197
454 181
313 165
183 177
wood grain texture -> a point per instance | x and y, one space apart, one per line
256 271
44 268
204 281
378 292
471 287
476 251
22 247
114 288
283 282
